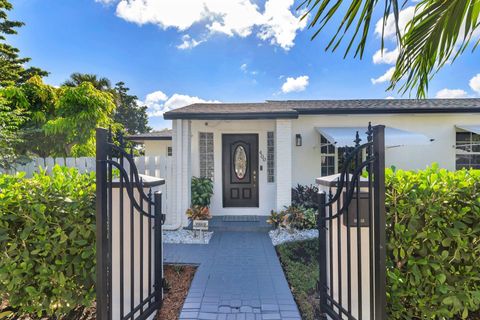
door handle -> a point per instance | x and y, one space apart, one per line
254 178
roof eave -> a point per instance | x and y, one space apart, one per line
231 116
386 111
141 139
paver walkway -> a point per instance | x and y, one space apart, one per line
239 277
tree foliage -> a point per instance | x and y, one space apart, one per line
440 31
79 111
99 83
11 119
128 112
12 66
132 116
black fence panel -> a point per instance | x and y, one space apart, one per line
129 236
351 225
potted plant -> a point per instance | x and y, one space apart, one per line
199 212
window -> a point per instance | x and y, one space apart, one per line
206 154
333 158
467 150
169 151
328 157
270 156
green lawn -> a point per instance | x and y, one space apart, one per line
299 262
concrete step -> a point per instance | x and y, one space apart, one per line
239 223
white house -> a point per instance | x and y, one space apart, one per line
256 152
155 143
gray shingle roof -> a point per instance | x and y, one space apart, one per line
293 108
159 135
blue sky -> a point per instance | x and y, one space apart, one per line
175 52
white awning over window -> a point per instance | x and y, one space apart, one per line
344 136
469 128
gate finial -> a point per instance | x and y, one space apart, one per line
357 139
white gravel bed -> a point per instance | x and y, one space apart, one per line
186 237
280 236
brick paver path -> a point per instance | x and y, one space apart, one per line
239 277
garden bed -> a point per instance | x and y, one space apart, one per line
300 265
184 236
178 278
280 235
301 269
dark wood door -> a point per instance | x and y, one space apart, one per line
240 170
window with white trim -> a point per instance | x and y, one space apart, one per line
467 150
270 156
206 154
329 154
333 158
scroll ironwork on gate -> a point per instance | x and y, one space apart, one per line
129 236
351 225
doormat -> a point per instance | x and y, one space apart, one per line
240 218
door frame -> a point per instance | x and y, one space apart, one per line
225 166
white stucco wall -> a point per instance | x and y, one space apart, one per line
267 191
157 147
441 127
306 159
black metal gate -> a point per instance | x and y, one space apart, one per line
129 236
351 225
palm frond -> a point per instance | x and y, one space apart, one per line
357 19
439 32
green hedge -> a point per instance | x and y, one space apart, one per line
47 241
433 236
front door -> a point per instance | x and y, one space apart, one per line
240 170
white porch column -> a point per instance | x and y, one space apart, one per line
186 169
283 163
181 162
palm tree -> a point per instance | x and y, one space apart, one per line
439 32
100 83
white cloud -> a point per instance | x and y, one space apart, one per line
158 102
188 43
385 77
276 24
181 100
385 56
475 83
295 84
390 30
245 69
451 94
390 98
280 26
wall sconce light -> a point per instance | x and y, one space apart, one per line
298 140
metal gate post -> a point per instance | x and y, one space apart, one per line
101 225
322 252
379 223
158 247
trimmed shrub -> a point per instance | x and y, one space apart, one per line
47 241
202 191
293 217
433 248
304 196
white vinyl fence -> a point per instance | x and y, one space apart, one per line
155 166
